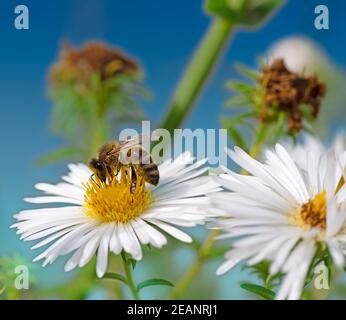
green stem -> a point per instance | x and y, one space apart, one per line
195 268
130 282
197 72
96 139
95 101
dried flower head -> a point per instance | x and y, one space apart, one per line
289 92
80 64
282 101
94 89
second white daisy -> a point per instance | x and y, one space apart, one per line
283 213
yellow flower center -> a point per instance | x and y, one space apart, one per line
114 200
312 214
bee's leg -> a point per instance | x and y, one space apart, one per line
110 173
133 179
116 171
92 178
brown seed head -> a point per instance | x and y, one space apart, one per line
93 58
288 91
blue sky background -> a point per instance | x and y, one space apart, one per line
161 34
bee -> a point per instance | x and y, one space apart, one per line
127 154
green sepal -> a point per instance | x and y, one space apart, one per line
243 12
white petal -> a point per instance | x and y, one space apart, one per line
115 245
53 199
91 246
336 253
176 233
73 261
102 253
156 238
61 189
129 241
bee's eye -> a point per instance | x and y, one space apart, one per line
99 166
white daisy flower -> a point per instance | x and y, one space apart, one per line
109 217
312 144
282 213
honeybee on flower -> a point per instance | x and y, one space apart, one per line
107 216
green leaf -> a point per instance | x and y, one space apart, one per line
58 155
260 269
248 72
243 12
279 128
237 102
133 263
154 282
240 86
127 258
309 277
328 262
236 137
261 134
115 276
239 118
231 125
258 290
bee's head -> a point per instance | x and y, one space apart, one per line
98 168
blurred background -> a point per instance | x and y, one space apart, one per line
161 36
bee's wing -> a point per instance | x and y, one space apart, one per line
135 144
139 140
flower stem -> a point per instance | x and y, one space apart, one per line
194 270
96 139
197 73
129 278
